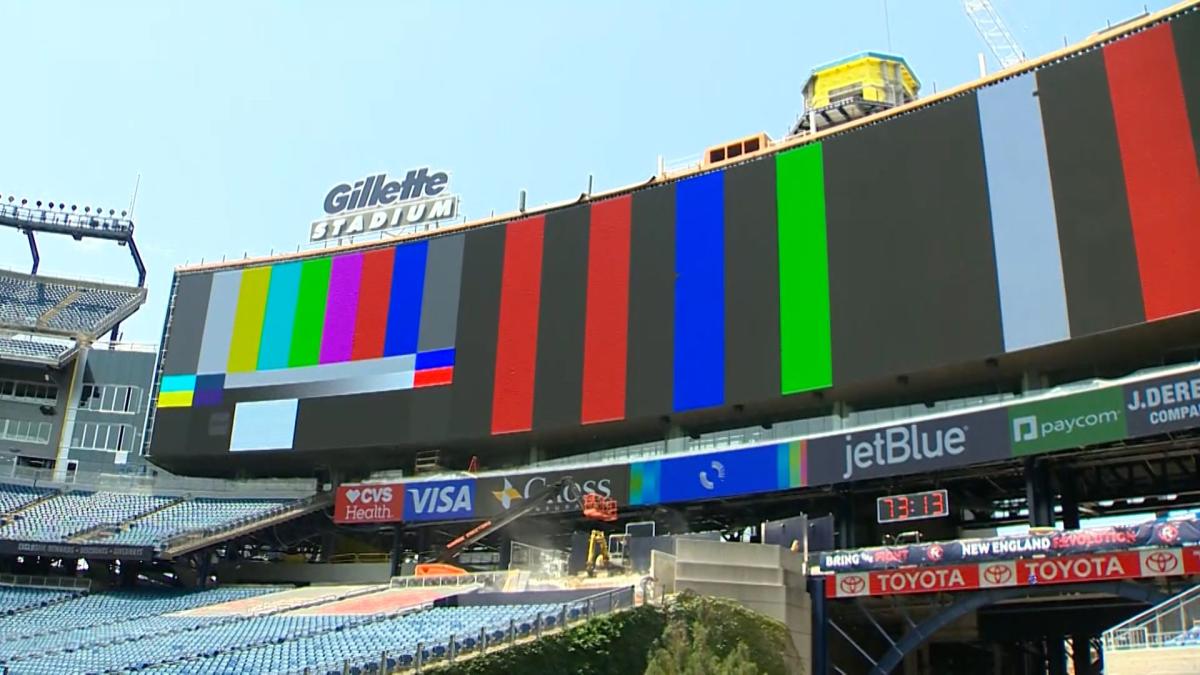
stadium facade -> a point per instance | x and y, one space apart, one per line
1032 229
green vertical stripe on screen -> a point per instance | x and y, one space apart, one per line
248 320
310 313
635 484
806 360
796 465
782 451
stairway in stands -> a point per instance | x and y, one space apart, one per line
1164 640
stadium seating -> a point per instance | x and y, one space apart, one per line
15 599
83 308
65 515
1189 638
196 515
133 631
13 497
135 520
36 350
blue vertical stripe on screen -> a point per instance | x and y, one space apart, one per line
279 317
1033 297
699 292
404 309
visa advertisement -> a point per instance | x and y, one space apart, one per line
439 500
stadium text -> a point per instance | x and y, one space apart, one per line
897 445
1169 402
377 190
375 203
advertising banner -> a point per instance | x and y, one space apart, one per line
1059 542
65 550
927 445
497 494
440 500
1026 572
1070 421
718 474
368 503
1163 404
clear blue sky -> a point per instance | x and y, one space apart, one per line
240 115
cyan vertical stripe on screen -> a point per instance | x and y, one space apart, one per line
174 383
404 311
644 482
699 356
1033 296
783 453
280 315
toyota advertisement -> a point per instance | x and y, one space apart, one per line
1090 540
1009 573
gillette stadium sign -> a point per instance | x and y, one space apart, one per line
378 203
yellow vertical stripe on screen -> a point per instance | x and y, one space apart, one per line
248 321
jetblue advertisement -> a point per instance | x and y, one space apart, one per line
439 500
933 444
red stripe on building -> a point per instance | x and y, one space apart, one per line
1159 160
433 376
607 324
516 335
370 325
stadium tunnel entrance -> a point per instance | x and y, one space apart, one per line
1025 631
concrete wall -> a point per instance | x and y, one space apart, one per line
767 579
303 573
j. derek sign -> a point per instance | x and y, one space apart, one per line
376 203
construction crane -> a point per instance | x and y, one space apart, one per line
459 544
993 31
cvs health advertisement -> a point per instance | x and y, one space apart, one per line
368 503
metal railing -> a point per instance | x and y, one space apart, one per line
34 581
453 647
1163 625
230 525
489 580
147 480
83 221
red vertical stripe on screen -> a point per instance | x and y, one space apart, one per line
1159 160
516 338
606 327
370 326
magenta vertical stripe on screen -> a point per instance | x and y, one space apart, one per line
341 309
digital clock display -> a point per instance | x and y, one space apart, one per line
918 506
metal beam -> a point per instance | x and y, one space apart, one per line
894 656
